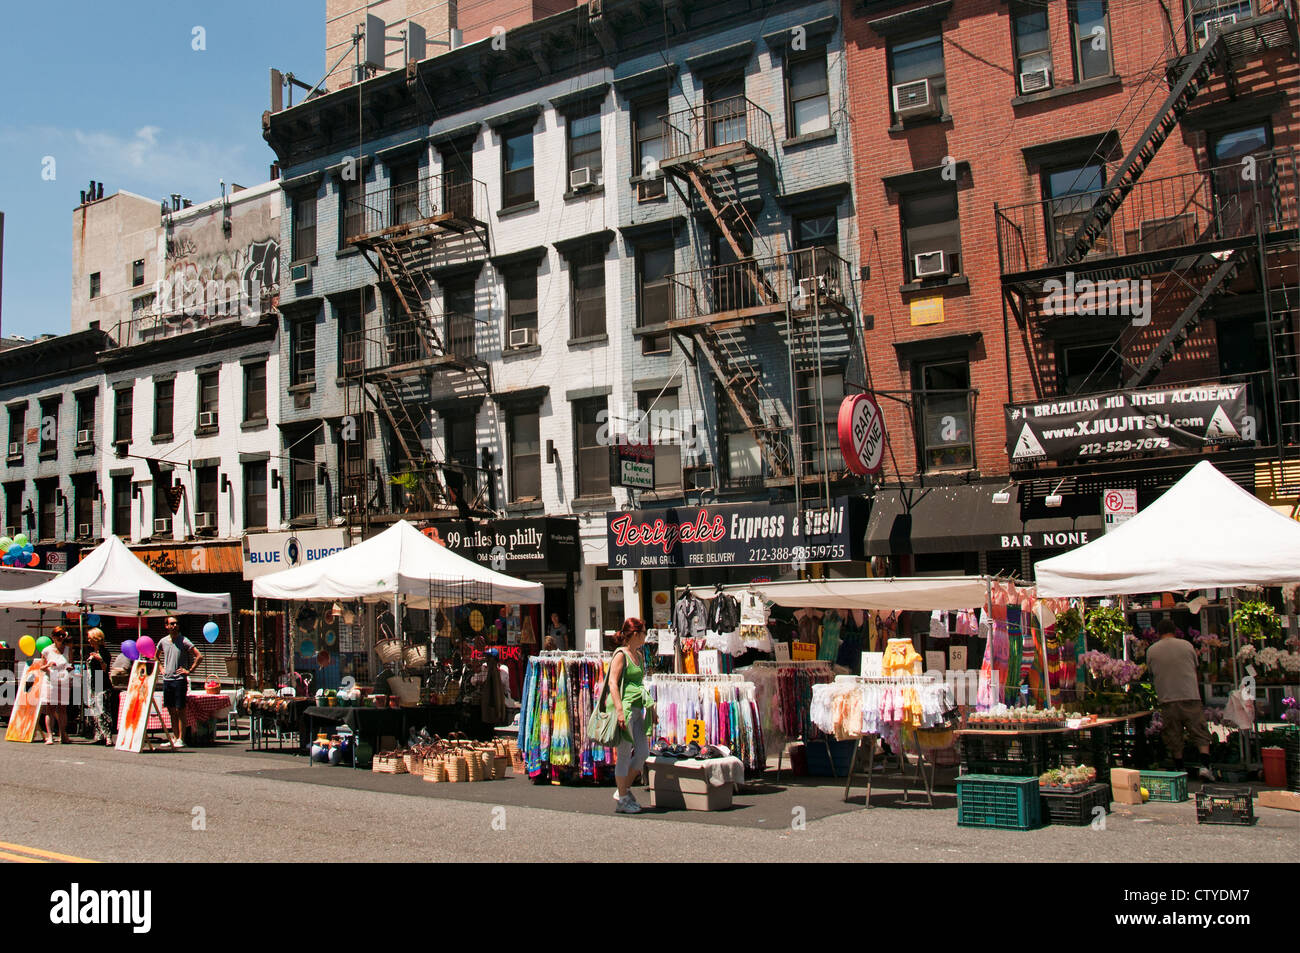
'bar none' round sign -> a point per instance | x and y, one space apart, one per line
861 430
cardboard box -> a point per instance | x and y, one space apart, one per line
683 786
1282 800
1125 786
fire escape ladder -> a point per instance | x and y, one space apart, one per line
406 432
393 268
734 222
742 382
1194 77
1197 309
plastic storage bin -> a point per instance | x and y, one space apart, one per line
1005 803
1075 810
1229 804
1165 785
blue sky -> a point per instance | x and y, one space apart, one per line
116 92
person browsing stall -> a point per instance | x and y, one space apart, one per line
1172 662
635 709
180 656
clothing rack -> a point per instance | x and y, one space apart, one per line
819 666
800 663
726 679
726 704
574 654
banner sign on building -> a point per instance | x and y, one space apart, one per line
738 534
548 544
1122 423
265 553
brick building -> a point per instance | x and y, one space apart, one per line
1002 148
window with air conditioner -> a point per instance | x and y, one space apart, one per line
521 305
83 504
207 490
17 429
87 404
1091 38
1205 15
649 138
918 87
1033 47
583 139
162 504
931 233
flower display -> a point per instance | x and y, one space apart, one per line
1117 671
1291 710
1246 654
1137 647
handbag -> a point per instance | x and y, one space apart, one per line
602 726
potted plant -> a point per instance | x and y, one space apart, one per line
1069 626
1257 620
1106 627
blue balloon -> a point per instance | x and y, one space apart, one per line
92 619
210 631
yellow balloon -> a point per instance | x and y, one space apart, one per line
27 644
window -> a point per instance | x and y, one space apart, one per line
208 491
162 502
741 454
164 400
525 455
724 112
517 167
142 307
49 426
930 224
47 498
405 195
460 448
137 273
303 495
655 295
807 95
592 462
255 495
820 231
521 304
17 429
83 505
1071 193
1207 13
818 421
1091 37
352 461
458 178
584 143
122 506
943 402
916 61
351 335
351 210
94 285
255 392
648 134
122 409
662 424
587 284
458 310
304 228
1235 195
13 508
302 352
1087 368
1033 47
208 399
86 408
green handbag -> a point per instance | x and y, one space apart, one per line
602 727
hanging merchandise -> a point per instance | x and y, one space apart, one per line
725 703
783 691
829 648
966 623
753 621
938 624
852 706
689 616
722 621
558 693
901 658
853 640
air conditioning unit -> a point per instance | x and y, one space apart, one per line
84 437
121 446
83 531
1036 80
208 418
580 179
523 337
915 99
349 504
930 264
205 521
162 526
15 449
1203 32
300 273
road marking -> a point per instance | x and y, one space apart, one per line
15 858
47 854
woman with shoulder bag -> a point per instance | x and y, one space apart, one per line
632 702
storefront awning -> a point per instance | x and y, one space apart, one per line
953 519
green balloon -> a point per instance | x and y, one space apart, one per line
21 539
43 643
5 543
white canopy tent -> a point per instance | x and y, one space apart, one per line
403 564
109 580
912 593
1204 532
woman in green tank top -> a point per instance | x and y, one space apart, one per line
631 701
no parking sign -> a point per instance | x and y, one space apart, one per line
1118 507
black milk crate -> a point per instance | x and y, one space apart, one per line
1008 755
1076 809
1225 804
1084 749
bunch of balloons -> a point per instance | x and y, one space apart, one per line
33 647
18 551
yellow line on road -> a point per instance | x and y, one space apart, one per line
48 854
21 860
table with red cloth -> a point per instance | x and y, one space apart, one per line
199 707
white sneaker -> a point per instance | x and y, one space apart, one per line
627 806
178 743
1206 774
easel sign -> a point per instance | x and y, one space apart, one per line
667 641
137 702
873 664
27 705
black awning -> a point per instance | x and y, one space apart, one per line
955 519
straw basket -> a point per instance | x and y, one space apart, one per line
389 651
407 690
389 763
457 769
435 771
500 768
414 763
474 763
416 656
934 739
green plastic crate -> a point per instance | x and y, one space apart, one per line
1005 803
1165 785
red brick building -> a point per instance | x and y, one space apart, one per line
1005 151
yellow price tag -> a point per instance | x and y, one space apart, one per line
694 731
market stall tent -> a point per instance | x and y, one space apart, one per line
109 579
1204 532
914 593
400 562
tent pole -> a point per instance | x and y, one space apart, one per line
257 674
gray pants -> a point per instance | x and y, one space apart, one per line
632 754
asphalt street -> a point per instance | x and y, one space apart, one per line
228 804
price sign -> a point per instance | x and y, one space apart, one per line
709 662
873 664
803 651
695 731
782 651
